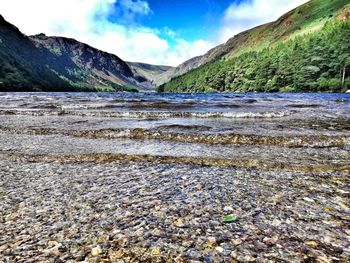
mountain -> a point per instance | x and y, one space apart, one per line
19 69
307 19
42 63
182 68
149 72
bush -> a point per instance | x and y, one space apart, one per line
332 85
287 89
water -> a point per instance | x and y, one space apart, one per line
267 114
227 104
150 176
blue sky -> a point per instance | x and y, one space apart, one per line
192 20
164 32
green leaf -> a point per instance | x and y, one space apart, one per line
229 218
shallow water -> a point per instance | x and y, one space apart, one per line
153 175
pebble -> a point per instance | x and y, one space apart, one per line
155 251
312 244
96 251
237 242
52 243
179 222
228 209
269 241
115 255
219 249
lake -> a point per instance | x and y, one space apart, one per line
174 177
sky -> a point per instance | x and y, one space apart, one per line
163 32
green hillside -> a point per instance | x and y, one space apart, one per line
305 50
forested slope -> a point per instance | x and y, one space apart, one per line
307 49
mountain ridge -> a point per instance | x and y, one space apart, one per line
54 63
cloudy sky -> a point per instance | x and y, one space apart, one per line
164 32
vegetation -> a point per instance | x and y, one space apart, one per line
315 62
307 18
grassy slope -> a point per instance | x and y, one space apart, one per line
302 20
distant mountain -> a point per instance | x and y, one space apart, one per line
181 69
147 71
42 63
306 19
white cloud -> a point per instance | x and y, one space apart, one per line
245 15
137 6
87 21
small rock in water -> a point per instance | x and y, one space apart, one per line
103 239
96 251
54 251
268 241
52 243
237 242
179 222
219 249
114 255
312 244
307 199
211 243
276 222
228 209
155 251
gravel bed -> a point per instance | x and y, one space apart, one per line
148 212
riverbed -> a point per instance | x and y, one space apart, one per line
100 177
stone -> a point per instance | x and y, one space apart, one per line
103 239
52 243
307 199
276 222
312 244
96 251
4 247
268 241
12 217
115 255
228 209
155 251
236 241
179 222
219 249
234 254
227 246
194 254
54 251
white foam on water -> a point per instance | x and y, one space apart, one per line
146 114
